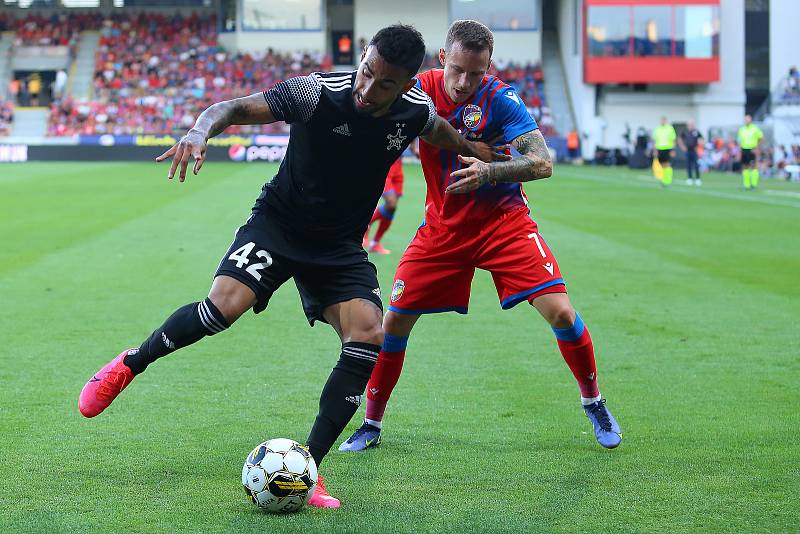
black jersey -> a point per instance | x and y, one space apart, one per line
336 163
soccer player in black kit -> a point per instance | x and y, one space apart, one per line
347 128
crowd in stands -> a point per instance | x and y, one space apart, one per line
154 74
6 117
720 155
528 82
54 30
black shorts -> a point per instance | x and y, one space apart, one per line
258 264
748 156
664 156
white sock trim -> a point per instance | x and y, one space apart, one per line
378 424
590 400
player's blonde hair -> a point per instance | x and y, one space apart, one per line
471 35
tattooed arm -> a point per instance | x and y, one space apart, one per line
534 163
444 136
251 109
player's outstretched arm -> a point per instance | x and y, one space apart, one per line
251 109
443 135
534 163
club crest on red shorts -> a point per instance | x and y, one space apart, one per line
397 290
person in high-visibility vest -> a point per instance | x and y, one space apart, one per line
664 141
750 137
573 144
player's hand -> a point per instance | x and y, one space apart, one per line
487 151
469 178
193 144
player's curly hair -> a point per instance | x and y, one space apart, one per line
400 45
470 34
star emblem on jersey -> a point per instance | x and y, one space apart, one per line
342 129
396 140
472 115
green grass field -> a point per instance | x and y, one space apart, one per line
692 297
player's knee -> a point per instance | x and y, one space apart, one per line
562 316
372 334
399 324
232 301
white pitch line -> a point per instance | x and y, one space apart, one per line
747 197
782 193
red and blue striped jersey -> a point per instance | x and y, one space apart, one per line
493 111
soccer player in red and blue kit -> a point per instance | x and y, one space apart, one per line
384 213
477 216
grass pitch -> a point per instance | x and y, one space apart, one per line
692 296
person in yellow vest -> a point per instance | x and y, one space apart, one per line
664 141
750 137
34 88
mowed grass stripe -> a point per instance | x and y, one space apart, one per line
58 205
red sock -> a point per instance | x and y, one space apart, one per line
576 347
382 227
376 216
385 376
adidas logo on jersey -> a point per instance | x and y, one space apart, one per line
342 129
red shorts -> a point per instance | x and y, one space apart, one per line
394 180
436 270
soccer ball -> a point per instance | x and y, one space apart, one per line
279 475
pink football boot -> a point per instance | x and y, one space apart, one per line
321 498
101 390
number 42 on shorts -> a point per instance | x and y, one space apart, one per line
241 257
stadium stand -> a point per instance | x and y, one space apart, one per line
55 30
154 73
528 81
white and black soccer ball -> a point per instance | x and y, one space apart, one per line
279 475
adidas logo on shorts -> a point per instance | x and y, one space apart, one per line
355 399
